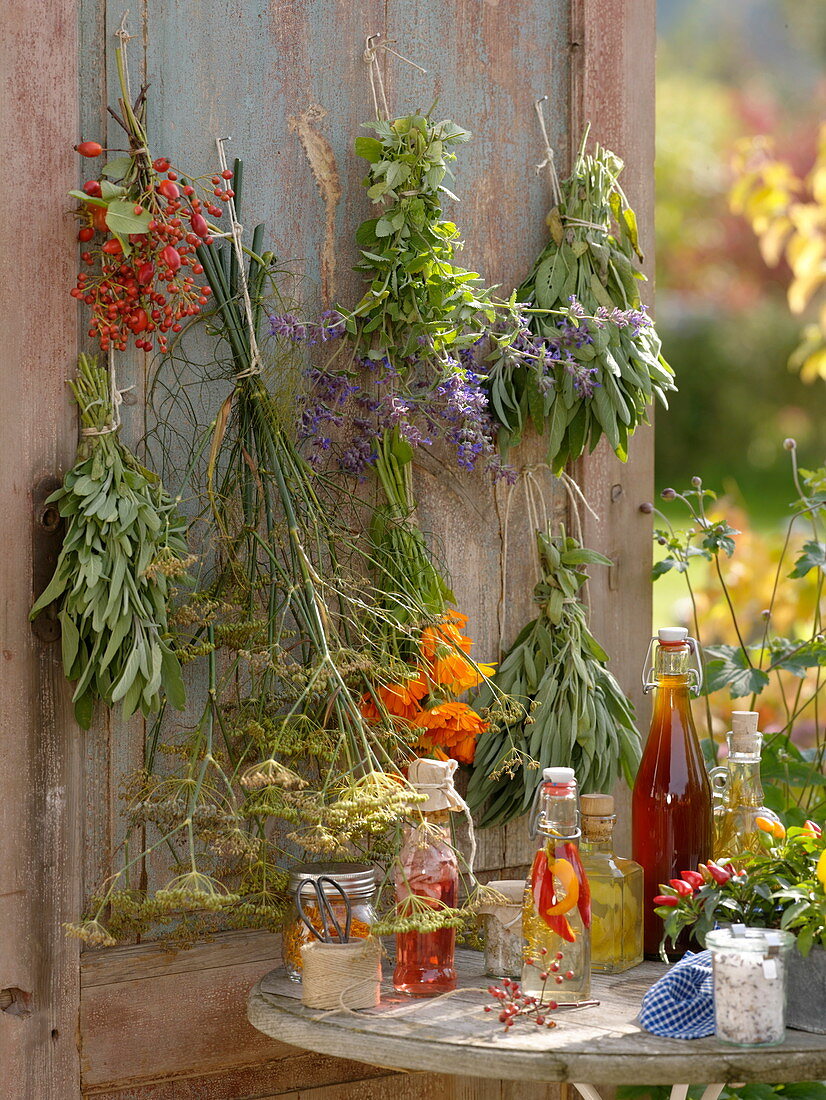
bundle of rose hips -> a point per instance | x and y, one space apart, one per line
142 223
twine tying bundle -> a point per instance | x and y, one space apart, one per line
341 975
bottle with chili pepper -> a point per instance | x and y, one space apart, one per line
556 919
671 802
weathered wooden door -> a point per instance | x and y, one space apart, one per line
288 82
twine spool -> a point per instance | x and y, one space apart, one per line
341 975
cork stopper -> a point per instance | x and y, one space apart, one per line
597 816
596 805
744 739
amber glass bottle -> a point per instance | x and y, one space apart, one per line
671 805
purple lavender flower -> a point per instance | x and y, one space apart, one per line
332 325
584 378
576 309
289 326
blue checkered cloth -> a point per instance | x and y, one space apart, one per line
681 1004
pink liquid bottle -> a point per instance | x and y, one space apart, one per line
427 877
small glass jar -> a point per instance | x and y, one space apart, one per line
749 984
502 926
358 881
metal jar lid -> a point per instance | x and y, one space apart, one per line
357 880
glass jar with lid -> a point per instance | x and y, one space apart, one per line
357 880
749 967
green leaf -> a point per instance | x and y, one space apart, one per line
116 169
665 565
369 148
69 641
111 191
729 668
84 707
173 683
795 657
89 199
122 219
812 557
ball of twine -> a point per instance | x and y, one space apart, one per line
341 975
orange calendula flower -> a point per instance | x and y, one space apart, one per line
400 700
453 727
443 638
457 673
444 648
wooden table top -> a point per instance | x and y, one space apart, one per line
454 1035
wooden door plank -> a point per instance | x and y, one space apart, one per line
612 87
39 777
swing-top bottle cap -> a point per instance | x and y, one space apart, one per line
672 634
559 775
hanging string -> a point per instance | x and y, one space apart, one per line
550 161
236 229
115 402
538 521
535 505
374 71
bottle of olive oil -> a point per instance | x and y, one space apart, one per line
616 890
738 791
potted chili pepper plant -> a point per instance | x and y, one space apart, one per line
783 886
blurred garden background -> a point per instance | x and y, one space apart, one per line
743 69
741 308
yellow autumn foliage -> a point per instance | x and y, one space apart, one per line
788 215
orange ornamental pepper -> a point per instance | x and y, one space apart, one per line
548 908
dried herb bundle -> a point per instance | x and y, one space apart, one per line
597 364
124 540
576 714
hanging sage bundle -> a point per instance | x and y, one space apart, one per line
596 362
124 540
574 711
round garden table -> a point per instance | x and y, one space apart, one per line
588 1047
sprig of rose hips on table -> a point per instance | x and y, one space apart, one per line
141 223
512 1004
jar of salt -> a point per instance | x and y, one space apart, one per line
501 913
749 967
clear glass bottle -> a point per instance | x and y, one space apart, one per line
556 918
671 802
738 790
616 890
358 881
428 870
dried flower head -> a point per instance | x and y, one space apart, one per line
271 773
195 890
90 932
